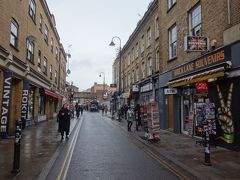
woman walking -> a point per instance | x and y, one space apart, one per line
64 117
130 116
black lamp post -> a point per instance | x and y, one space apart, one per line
100 75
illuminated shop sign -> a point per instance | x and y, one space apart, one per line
207 61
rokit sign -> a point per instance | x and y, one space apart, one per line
25 93
5 103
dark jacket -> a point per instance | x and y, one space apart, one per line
64 116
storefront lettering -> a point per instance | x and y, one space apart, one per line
5 102
200 63
24 104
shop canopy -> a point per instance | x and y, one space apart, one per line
52 94
215 73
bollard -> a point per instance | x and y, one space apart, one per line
207 160
17 143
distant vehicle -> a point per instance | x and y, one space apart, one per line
94 106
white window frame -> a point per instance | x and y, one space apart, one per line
195 21
14 28
171 3
32 9
172 42
30 51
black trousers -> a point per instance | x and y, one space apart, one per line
129 125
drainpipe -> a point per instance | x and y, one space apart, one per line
229 11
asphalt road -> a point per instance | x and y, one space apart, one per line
99 150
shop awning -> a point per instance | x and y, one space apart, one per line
52 94
215 73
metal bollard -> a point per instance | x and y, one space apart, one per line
17 143
207 160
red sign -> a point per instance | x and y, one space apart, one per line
201 86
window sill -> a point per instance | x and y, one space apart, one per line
172 59
14 47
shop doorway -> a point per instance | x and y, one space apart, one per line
170 112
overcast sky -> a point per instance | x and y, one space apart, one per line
89 25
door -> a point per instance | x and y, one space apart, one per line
170 112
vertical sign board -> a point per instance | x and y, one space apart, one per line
5 103
24 109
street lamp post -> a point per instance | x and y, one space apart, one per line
120 56
100 75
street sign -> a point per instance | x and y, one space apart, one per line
135 88
170 91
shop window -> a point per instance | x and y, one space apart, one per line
41 109
14 33
31 103
195 22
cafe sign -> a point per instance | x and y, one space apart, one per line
196 43
203 62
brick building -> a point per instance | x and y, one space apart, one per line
195 65
100 90
32 63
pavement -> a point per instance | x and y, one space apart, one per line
40 142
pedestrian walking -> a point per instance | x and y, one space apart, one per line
130 116
137 116
77 109
106 109
64 116
81 109
102 108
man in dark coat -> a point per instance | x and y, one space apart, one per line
78 109
64 117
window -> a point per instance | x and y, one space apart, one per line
129 79
32 9
149 66
40 23
57 54
50 71
149 36
142 44
195 21
45 65
14 33
133 77
172 42
157 60
171 3
39 58
30 51
137 77
143 70
133 54
52 45
129 59
46 34
55 76
136 50
156 27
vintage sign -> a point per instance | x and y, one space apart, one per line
7 85
135 88
25 92
170 91
203 62
196 43
201 86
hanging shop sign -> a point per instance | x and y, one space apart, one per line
135 88
7 85
170 91
146 87
201 86
207 61
196 43
25 93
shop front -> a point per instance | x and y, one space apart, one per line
207 94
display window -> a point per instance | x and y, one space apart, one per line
31 103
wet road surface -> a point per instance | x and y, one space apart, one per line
99 150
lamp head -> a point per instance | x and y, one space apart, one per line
112 43
100 75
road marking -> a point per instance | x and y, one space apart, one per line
69 154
